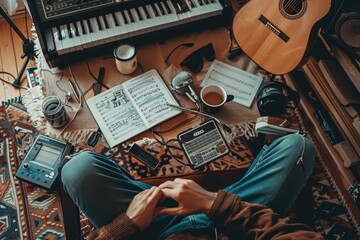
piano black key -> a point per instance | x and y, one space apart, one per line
69 33
179 6
82 27
154 10
124 17
206 1
131 16
106 22
115 19
200 2
146 12
191 3
167 7
89 25
76 30
59 33
138 14
98 23
162 10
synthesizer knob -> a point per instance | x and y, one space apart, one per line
26 165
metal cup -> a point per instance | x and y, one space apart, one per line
54 111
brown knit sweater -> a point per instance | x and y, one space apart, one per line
233 218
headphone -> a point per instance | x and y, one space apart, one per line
271 101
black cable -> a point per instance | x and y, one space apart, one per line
174 156
179 124
7 73
95 78
5 81
167 147
180 45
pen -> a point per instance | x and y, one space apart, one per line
225 127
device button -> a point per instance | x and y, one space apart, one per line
26 165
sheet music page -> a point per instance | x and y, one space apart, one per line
115 115
150 95
243 85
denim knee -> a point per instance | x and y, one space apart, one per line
300 146
79 171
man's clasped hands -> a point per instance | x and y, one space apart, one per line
190 197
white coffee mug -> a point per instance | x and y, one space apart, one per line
125 58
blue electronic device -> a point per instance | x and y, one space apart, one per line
40 165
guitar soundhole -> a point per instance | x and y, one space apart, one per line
292 9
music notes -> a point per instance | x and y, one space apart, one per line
133 107
151 97
243 85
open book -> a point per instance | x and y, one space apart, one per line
132 107
275 126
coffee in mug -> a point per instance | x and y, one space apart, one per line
214 97
125 58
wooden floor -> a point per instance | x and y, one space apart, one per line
10 55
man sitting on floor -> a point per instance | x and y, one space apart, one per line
252 208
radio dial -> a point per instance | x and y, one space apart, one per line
26 165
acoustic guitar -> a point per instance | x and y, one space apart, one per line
275 34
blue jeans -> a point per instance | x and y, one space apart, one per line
103 190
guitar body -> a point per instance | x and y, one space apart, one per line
275 34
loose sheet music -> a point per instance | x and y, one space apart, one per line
132 107
243 85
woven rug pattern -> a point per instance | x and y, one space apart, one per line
34 213
28 212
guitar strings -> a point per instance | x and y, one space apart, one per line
292 5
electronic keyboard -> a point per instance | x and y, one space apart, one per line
71 30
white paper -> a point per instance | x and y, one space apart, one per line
9 6
243 85
132 107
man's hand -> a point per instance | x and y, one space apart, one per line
142 209
191 197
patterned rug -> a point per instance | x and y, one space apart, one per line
28 212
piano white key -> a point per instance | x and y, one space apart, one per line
96 35
153 21
137 22
147 24
82 38
166 17
76 39
104 30
160 18
65 41
144 21
132 28
112 26
57 41
88 39
121 30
